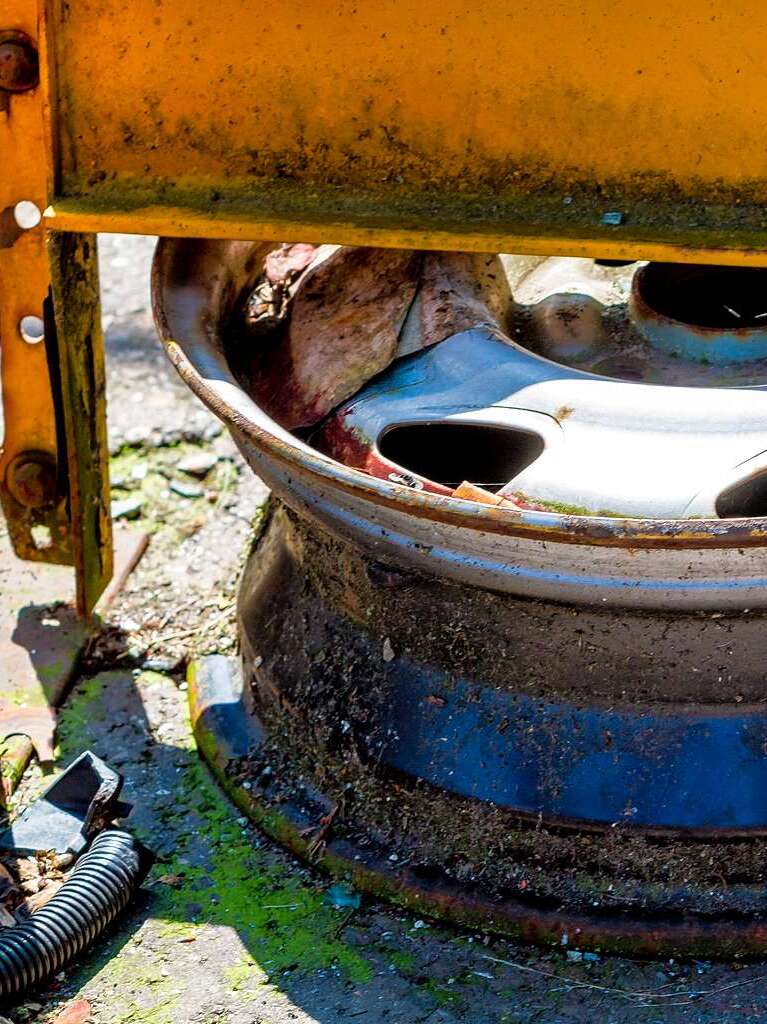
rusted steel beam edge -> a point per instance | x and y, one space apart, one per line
187 222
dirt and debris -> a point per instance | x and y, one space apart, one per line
319 684
27 883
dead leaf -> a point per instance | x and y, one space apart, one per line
27 868
34 903
438 702
31 886
172 880
77 1012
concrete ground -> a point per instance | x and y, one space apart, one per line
229 928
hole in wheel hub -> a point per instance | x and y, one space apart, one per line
450 453
708 314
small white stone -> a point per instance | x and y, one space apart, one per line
198 464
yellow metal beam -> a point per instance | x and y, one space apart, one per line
437 123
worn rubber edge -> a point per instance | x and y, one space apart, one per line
439 897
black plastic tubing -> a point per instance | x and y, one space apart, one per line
101 885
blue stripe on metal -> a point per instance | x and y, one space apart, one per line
669 768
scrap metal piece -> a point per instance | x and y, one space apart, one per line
218 706
38 723
709 315
77 805
343 329
75 320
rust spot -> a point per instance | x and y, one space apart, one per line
19 69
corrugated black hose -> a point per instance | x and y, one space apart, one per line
101 885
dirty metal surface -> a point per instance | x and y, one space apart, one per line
80 802
733 329
78 343
653 563
41 638
616 448
523 708
526 377
636 133
289 808
655 767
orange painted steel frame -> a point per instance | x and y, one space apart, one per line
584 127
28 412
53 463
